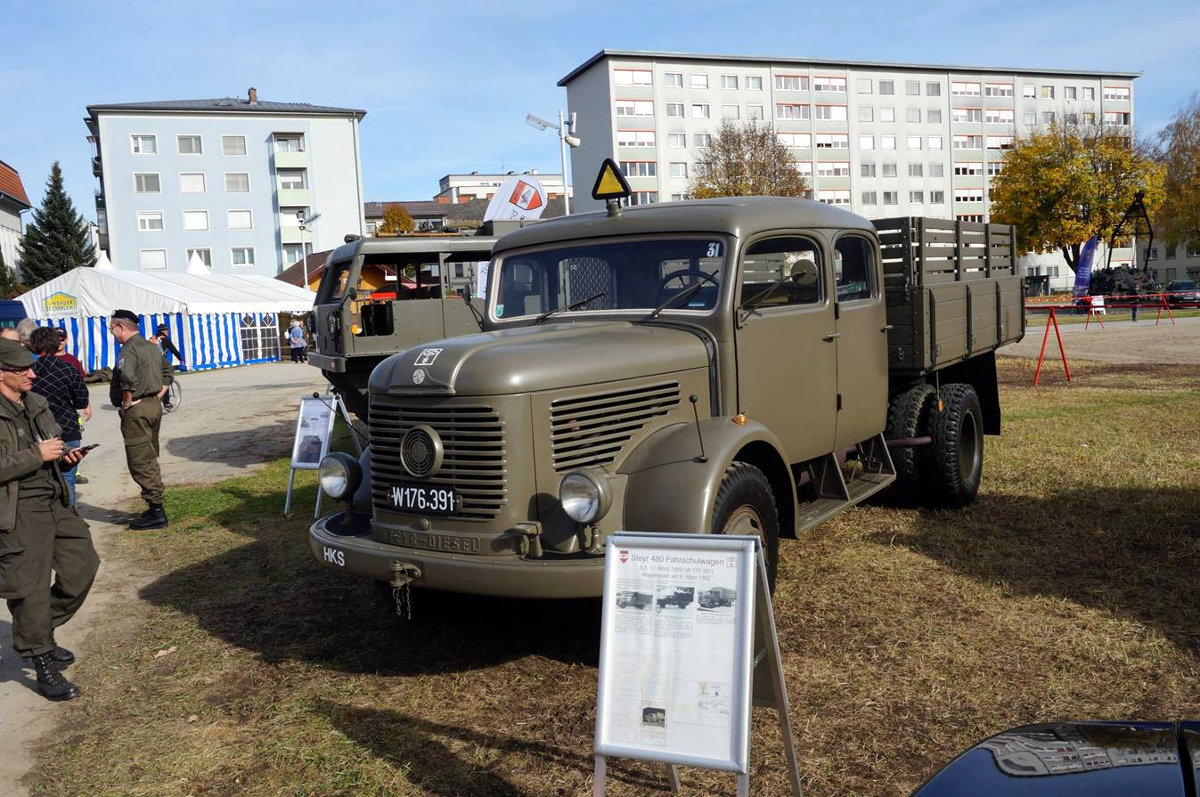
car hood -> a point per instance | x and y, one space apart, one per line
536 358
1070 759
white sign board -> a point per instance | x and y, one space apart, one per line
314 429
520 197
676 658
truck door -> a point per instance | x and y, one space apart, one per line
457 316
862 375
327 309
786 352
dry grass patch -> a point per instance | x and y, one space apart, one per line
1066 591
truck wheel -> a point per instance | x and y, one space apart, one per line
909 416
955 459
746 505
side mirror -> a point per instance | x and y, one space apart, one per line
351 294
465 292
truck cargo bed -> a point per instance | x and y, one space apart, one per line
951 288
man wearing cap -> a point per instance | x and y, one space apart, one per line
137 389
40 534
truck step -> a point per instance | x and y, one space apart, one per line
818 511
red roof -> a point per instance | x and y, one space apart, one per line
10 184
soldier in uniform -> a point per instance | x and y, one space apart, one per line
137 388
40 533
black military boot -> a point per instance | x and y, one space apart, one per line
153 518
51 684
61 656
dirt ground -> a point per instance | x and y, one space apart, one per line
1116 342
230 422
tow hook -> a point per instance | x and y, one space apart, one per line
403 574
531 541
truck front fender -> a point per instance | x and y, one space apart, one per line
670 488
362 496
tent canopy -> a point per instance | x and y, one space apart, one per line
89 292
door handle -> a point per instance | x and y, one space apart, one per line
832 336
886 328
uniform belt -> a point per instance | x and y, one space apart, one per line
148 395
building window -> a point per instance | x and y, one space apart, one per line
968 142
937 197
836 113
730 112
887 114
829 83
916 170
146 183
698 81
887 142
866 114
978 219
933 89
237 182
833 169
994 168
968 169
1047 117
891 197
204 253
678 169
289 142
786 110
677 197
674 80
1029 90
791 83
1170 253
802 140
1120 93
914 142
834 197
754 112
675 140
999 142
870 198
635 108
191 182
633 77
643 198
636 138
916 197
1116 117
639 168
1089 93
233 145
866 170
292 179
935 142
195 219
912 88
1089 118
240 219
150 221
887 87
143 145
242 256
1069 93
833 141
967 115
913 115
866 142
294 253
889 170
1070 118
675 110
1030 118
999 116
960 89
189 145
997 89
700 110
864 85
754 82
729 81
968 195
152 259
805 168
1047 93
702 139
937 169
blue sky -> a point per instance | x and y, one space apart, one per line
446 86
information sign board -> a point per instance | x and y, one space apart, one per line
314 427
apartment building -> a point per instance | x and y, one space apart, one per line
879 139
455 188
249 186
13 202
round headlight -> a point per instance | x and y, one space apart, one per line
339 475
584 496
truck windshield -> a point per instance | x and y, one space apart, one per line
629 274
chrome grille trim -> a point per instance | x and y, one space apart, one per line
592 430
475 459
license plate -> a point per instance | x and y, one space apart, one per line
424 498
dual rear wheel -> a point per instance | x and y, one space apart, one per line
947 471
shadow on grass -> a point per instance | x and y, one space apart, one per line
270 597
1131 552
411 742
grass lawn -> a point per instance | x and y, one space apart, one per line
1068 590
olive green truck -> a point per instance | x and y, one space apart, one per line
740 366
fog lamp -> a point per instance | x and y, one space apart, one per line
584 496
339 475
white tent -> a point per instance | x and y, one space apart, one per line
216 320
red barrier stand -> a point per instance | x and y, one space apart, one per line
1052 319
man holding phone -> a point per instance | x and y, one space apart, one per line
47 560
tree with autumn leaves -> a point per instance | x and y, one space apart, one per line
1178 217
746 160
396 220
1064 184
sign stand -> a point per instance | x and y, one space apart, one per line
665 597
314 434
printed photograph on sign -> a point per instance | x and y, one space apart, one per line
312 433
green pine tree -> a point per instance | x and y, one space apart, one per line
9 287
57 240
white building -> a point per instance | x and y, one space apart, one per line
455 188
227 179
879 139
13 202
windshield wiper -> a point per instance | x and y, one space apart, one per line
749 306
686 293
575 306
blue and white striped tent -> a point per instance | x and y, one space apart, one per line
216 320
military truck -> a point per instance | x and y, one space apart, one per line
679 597
379 296
638 600
715 597
740 366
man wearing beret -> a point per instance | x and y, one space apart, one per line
137 389
40 533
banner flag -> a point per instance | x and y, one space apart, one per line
1083 274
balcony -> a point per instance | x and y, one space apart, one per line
291 160
97 171
294 197
294 235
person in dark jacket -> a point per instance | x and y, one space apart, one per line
64 389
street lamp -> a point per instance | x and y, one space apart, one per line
567 138
306 222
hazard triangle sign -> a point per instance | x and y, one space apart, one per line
610 183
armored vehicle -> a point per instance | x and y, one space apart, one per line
715 597
749 365
379 296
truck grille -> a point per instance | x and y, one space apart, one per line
591 430
474 456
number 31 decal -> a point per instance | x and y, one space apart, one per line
714 250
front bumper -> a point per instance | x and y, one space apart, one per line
350 549
325 362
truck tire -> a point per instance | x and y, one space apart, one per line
745 504
909 416
954 464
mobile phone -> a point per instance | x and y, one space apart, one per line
89 447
